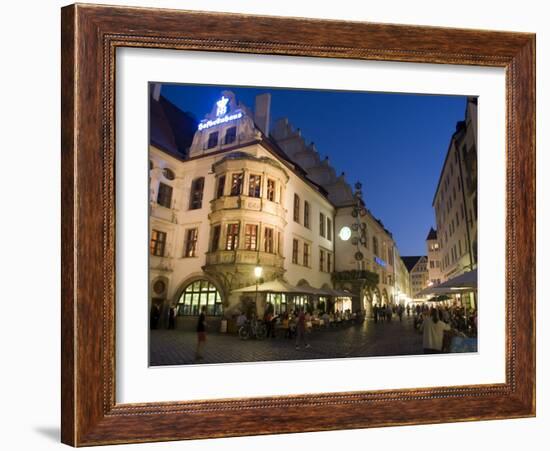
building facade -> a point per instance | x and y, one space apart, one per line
419 276
434 258
455 199
245 197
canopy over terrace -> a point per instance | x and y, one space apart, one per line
297 292
462 283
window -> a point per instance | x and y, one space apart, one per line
197 294
221 186
250 237
197 187
232 237
375 245
230 135
168 174
254 185
296 208
329 262
306 214
212 140
459 247
271 190
307 248
322 224
329 229
279 243
216 232
158 243
268 240
295 251
321 260
164 196
432 264
191 243
236 183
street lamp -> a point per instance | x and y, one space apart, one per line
257 274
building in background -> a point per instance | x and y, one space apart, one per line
242 197
434 259
418 269
455 199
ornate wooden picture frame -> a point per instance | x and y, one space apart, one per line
90 37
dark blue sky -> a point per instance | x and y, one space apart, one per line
394 144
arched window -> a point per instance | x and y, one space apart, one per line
197 294
197 187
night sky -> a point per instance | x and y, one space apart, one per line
394 144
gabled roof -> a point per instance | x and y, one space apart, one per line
170 128
411 261
432 234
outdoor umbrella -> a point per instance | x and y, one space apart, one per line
274 286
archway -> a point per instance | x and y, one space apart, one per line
197 293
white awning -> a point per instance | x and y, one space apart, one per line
464 282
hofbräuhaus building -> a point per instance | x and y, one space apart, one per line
244 197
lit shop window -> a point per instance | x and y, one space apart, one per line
197 294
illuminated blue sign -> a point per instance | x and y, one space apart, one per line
220 120
380 261
221 106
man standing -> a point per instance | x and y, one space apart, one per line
201 333
301 329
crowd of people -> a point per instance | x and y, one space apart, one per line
298 322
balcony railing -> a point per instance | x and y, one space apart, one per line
242 256
247 203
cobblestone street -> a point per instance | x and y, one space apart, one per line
176 347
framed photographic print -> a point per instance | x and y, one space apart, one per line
279 225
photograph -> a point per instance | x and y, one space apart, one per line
294 224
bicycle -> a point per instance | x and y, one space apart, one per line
254 328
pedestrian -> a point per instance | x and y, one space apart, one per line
389 313
408 310
400 312
172 317
375 313
301 329
268 324
155 316
201 333
434 330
